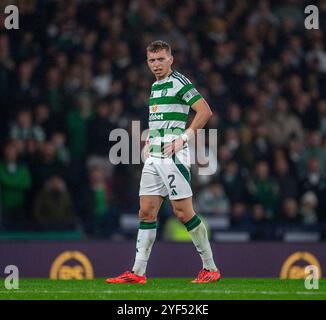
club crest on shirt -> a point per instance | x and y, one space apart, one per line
154 108
164 92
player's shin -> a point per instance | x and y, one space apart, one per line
198 234
145 240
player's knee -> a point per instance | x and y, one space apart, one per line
146 213
180 214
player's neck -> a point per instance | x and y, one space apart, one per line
165 76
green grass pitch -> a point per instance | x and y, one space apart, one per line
164 289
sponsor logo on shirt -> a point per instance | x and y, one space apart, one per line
155 116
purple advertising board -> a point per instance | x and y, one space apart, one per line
90 259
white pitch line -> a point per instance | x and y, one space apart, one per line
170 291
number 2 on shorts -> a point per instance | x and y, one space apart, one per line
171 177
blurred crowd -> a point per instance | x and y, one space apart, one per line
76 70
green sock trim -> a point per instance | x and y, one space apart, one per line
192 223
148 225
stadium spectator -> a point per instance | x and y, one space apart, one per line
44 119
7 69
234 182
82 84
99 129
46 165
53 92
119 117
263 14
77 126
309 203
98 143
62 152
26 92
95 206
304 108
263 189
261 228
283 124
15 181
290 212
103 81
314 149
315 182
213 201
31 154
233 143
233 118
287 183
218 92
53 209
322 117
295 148
261 148
23 128
240 216
317 54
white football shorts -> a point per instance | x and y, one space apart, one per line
167 176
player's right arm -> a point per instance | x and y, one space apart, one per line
203 113
146 148
193 98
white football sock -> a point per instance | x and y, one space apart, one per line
145 240
198 234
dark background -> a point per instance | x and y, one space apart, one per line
76 70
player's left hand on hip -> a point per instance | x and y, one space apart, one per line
146 151
173 147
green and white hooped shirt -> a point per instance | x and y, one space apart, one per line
169 104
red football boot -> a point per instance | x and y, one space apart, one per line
127 277
205 276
